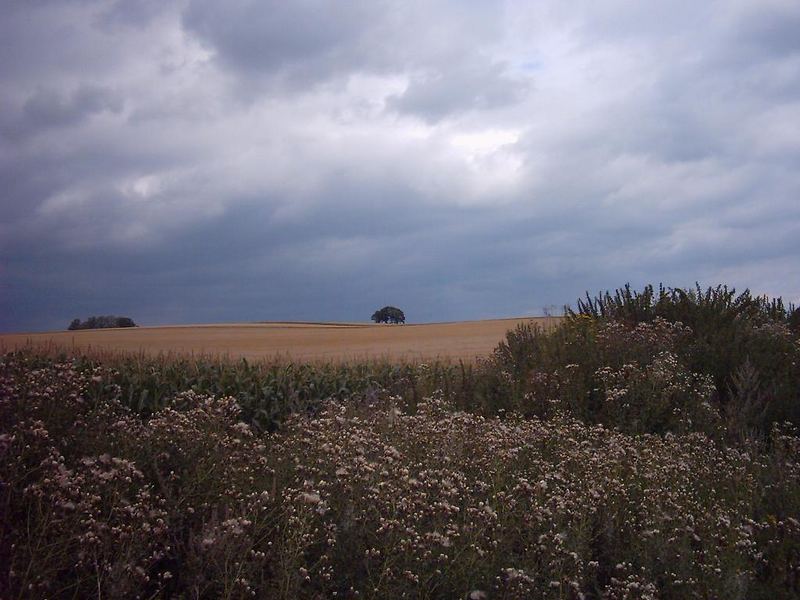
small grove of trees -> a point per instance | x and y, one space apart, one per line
102 322
389 314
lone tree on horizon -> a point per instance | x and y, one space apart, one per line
389 314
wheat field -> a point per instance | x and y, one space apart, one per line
312 342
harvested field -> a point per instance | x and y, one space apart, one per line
315 342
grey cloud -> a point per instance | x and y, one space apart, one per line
768 31
279 274
297 45
48 108
273 36
461 87
277 38
123 13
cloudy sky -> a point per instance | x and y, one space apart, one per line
200 161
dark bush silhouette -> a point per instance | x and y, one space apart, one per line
389 314
701 309
102 322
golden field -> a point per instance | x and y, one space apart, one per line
315 342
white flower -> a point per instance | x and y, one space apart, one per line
310 498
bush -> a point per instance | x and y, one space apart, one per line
389 314
618 359
701 310
103 322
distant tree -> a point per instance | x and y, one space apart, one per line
102 322
389 314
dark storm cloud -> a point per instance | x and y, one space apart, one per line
123 13
193 161
301 44
265 38
768 33
48 108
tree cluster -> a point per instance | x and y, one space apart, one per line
102 322
389 314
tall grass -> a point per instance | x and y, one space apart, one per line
267 391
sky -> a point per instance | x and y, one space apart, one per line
195 161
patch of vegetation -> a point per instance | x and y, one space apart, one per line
697 308
712 362
371 498
102 322
645 448
267 392
389 314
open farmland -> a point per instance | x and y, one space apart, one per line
315 342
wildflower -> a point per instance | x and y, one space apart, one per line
310 498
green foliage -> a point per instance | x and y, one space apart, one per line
649 362
103 322
699 309
267 392
794 321
373 497
389 314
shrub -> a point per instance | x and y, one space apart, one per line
737 357
373 497
101 322
438 503
699 309
389 314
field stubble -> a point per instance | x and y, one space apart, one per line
306 342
